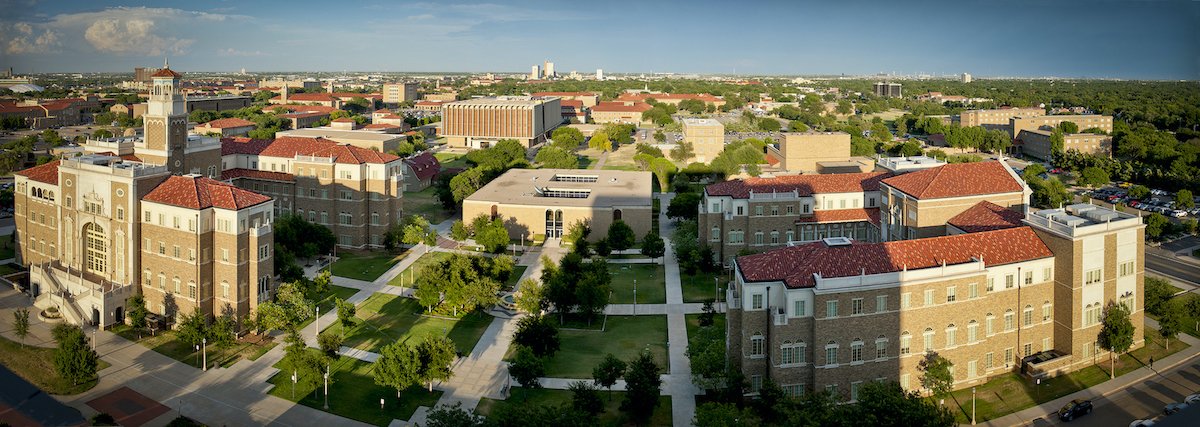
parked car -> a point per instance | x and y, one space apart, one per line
1141 423
1172 408
1191 399
1074 409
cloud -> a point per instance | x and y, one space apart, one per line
234 52
132 37
25 38
223 9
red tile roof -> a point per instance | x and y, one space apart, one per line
661 96
257 174
131 157
392 117
383 111
423 165
986 216
47 173
380 126
290 146
771 160
229 123
303 108
805 185
562 94
343 120
637 107
166 72
795 265
842 215
201 193
956 180
572 103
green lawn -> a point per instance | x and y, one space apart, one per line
427 206
451 160
1190 324
328 301
353 393
651 283
9 249
609 167
1009 392
624 336
587 162
34 364
693 323
364 267
10 268
428 192
383 319
168 344
699 287
611 416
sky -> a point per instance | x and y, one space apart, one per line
1019 38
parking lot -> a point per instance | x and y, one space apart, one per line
1159 201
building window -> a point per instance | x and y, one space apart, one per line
1125 269
905 343
830 356
798 308
1008 321
1092 276
1046 312
162 282
991 284
1028 315
1047 345
756 302
806 208
881 349
904 381
928 297
973 291
1028 277
880 303
856 351
831 308
951 294
790 209
988 325
988 363
1091 314
756 344
951 336
856 306
175 251
192 290
790 235
774 237
95 253
971 371
854 387
1047 273
758 211
1028 349
905 301
1008 281
758 238
928 347
972 332
225 255
716 234
774 210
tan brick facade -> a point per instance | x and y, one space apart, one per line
801 151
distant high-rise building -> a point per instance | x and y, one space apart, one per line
889 89
243 71
966 78
142 74
535 73
549 70
599 74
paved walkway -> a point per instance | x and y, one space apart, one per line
600 163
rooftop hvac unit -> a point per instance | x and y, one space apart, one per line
1101 215
836 241
1080 208
1071 220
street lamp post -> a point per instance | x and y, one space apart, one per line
204 341
327 386
972 406
635 296
716 294
293 385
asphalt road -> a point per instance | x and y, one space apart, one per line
1146 400
1167 265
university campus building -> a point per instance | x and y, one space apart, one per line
1024 297
918 204
483 122
186 219
548 201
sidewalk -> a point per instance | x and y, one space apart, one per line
1105 392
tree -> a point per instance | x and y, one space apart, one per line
222 333
1156 224
458 232
74 359
1093 176
684 206
531 297
603 249
330 343
682 151
610 370
538 335
586 398
600 142
685 242
418 230
888 404
21 324
653 245
1068 127
769 125
797 126
1032 171
1170 323
1183 199
662 169
642 386
1056 142
567 138
436 355
494 237
1156 293
939 374
193 328
398 367
1116 335
620 235
556 158
706 354
526 368
345 313
321 282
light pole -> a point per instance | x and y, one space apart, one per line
972 406
327 386
635 297
294 385
204 341
716 293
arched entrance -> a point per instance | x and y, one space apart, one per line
119 315
95 249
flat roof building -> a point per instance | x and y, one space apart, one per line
482 122
395 93
547 201
887 90
1037 143
899 165
707 137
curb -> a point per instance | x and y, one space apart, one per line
1116 390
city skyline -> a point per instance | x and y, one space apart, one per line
1133 40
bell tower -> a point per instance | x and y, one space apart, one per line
165 122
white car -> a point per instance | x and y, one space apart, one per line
1191 399
1141 423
